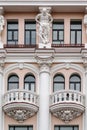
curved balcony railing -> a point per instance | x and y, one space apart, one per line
67 96
20 102
65 104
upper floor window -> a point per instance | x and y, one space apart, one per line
20 127
30 33
58 82
66 128
76 32
12 32
13 82
75 82
29 82
58 32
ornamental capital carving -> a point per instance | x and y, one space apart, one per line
44 68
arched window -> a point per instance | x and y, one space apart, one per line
29 82
13 82
58 82
75 82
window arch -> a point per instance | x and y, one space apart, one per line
58 82
75 82
13 82
29 82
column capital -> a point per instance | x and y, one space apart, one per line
45 68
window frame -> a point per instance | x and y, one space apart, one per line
61 82
17 82
29 83
74 83
58 41
14 42
76 22
73 126
29 30
28 127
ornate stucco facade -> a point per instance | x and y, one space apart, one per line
43 65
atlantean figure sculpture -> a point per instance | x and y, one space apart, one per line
2 22
44 19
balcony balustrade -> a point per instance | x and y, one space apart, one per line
20 104
20 46
68 45
67 105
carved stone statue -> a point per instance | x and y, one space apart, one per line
44 19
1 22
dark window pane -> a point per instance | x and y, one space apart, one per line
73 37
29 79
13 78
60 35
58 86
12 26
71 86
33 37
75 82
79 37
13 82
21 128
9 35
54 35
29 83
76 32
11 128
27 37
16 35
30 33
75 78
12 32
58 83
58 32
59 78
66 128
78 86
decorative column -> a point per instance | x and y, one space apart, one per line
44 97
85 23
85 114
44 61
2 22
1 92
44 20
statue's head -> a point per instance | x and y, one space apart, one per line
44 11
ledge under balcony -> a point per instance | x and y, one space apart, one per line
67 105
20 104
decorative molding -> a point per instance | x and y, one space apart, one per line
21 65
67 114
79 68
20 111
67 105
27 66
20 104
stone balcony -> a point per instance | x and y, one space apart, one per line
67 105
20 104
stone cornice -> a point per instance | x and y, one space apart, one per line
42 2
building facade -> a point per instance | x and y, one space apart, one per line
43 65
